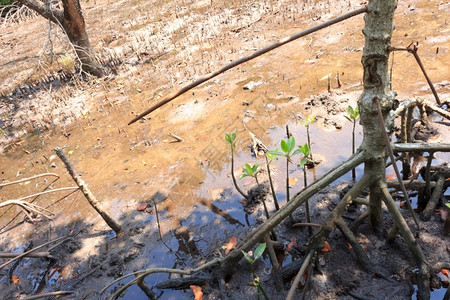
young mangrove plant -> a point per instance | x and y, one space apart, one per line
252 171
307 122
303 163
287 147
353 116
258 252
231 139
269 158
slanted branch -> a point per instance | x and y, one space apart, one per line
87 193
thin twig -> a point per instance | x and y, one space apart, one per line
157 220
250 57
29 178
299 275
50 294
391 155
412 48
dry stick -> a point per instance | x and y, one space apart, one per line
274 194
29 178
87 193
45 254
413 49
47 192
250 57
32 250
27 207
157 220
50 294
300 274
391 155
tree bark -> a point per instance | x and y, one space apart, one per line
71 20
378 33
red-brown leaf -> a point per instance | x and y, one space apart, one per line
231 244
198 294
326 247
142 206
293 243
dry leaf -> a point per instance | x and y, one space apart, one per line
309 62
293 243
292 181
15 279
326 247
349 246
391 176
198 294
142 207
231 244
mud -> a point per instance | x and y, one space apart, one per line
160 48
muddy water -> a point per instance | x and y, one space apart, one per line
189 180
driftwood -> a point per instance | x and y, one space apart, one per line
87 193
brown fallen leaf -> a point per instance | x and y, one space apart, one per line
231 244
326 247
15 279
142 207
292 181
197 290
293 243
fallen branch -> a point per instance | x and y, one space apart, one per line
87 193
250 57
27 207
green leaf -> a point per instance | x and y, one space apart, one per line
348 118
303 162
244 175
350 111
255 168
270 155
247 257
248 169
275 152
356 112
298 151
259 250
448 205
305 150
284 146
291 144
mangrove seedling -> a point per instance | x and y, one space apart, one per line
269 158
248 257
231 139
307 122
252 172
287 147
303 163
353 116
